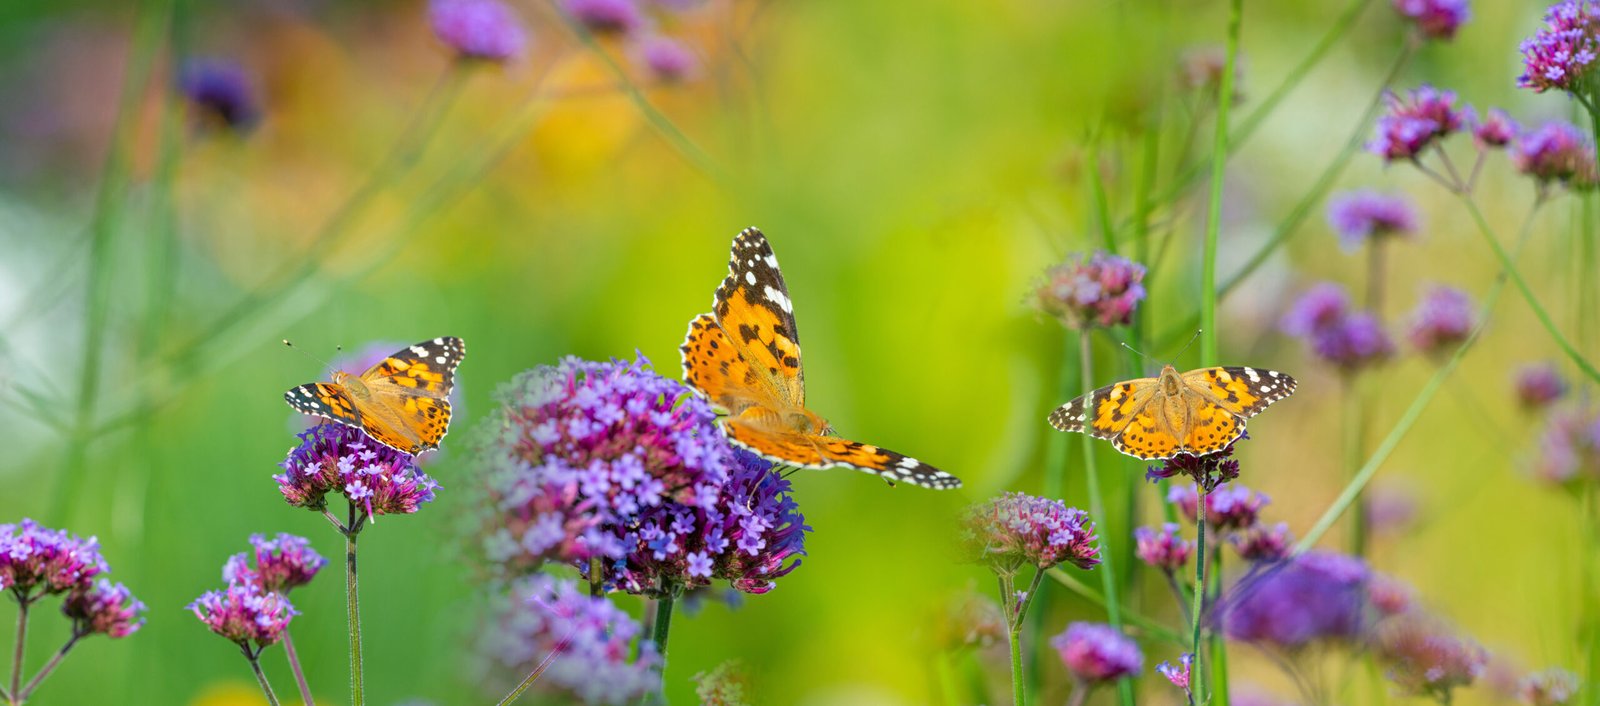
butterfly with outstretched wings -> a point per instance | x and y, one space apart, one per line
401 402
1196 413
745 357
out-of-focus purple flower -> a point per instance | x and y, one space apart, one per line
1390 509
606 17
583 449
669 60
1262 542
969 619
221 91
334 458
36 560
1228 507
1415 122
1017 529
1551 687
1212 469
1443 320
1435 19
1562 53
488 30
244 613
1179 673
1324 305
1315 597
1096 653
1539 384
1094 290
104 608
1358 216
1389 596
1569 447
1334 333
591 638
280 564
1164 547
751 535
1497 130
1425 657
1556 153
726 685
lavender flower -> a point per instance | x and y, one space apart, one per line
1562 53
1348 339
1316 597
1229 507
669 60
1390 509
1442 320
1435 19
281 564
590 638
1163 548
1262 542
244 613
39 561
1569 448
221 91
1539 384
1358 216
1324 305
1556 153
580 451
1551 687
334 458
1498 130
1016 530
478 29
104 608
1094 290
1425 657
1097 654
606 17
1415 122
1179 674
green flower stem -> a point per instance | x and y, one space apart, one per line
1218 646
538 671
294 666
1510 268
261 677
1354 428
352 608
1102 205
1097 509
1146 625
1013 638
55 660
1219 161
1198 672
17 655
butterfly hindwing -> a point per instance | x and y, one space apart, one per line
752 306
819 452
1146 436
712 365
323 399
1211 427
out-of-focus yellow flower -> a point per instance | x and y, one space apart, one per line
230 693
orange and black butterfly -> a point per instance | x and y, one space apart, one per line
401 402
745 357
1197 412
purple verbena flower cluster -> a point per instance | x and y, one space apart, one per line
1096 653
1539 384
1210 470
1435 19
1569 447
1424 657
1094 290
1164 547
669 60
1229 507
104 608
1317 597
1556 153
606 17
281 564
1551 687
486 30
1017 530
1442 321
1334 332
1359 216
245 613
334 458
1178 674
1497 130
38 561
1262 542
1413 123
1562 53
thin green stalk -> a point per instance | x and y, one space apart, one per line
1014 635
1147 625
538 671
1097 509
1218 646
261 677
294 666
353 607
1198 672
949 688
1509 268
1219 162
55 660
22 639
1354 453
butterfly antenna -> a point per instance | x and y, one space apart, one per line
1192 339
325 364
1135 351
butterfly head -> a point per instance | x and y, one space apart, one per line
1170 382
352 384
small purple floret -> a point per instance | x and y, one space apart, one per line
1097 654
1359 216
1442 321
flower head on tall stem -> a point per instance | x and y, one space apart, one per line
1163 547
1096 290
1551 687
486 30
36 560
280 564
1569 447
669 60
1360 216
1556 153
244 613
1178 674
1495 131
1210 470
1416 122
1263 543
1425 657
1334 332
105 609
1315 597
1539 384
1561 55
1443 320
334 458
221 92
1017 530
1434 19
1228 507
1096 653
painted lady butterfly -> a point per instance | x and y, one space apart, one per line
401 402
1197 412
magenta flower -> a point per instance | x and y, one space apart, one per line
1425 657
1017 530
1539 384
104 608
221 93
1324 305
1435 19
1228 507
1359 216
1179 674
334 458
1557 152
1498 130
606 17
244 614
1263 543
39 561
1096 653
1211 470
1551 687
669 60
1389 509
1163 548
1334 333
1415 122
592 640
1562 53
281 564
1442 321
1094 290
488 30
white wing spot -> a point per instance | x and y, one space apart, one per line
438 341
750 278
775 296
441 360
1252 373
419 351
772 261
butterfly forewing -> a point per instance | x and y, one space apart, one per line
1105 412
323 399
753 309
1242 390
427 369
712 365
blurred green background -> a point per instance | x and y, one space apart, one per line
916 166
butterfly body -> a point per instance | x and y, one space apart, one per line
1197 412
744 356
401 402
